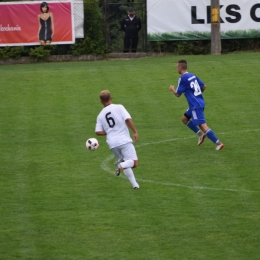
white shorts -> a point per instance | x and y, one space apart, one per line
125 152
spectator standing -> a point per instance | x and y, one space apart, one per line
131 25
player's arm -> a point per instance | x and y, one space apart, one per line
201 84
131 125
173 90
99 130
101 133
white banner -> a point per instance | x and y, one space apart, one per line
191 19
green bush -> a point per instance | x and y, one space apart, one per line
40 53
204 46
193 47
182 47
11 52
94 41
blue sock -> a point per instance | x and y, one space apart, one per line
211 135
193 127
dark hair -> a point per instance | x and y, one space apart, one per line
44 4
183 64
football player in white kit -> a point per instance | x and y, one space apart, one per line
114 121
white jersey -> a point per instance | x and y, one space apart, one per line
112 120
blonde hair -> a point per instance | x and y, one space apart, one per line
105 96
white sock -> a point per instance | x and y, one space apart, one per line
131 177
200 133
127 164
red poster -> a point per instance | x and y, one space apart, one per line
28 23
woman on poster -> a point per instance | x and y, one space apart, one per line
46 25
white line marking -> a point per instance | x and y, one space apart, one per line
104 165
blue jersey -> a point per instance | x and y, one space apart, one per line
190 85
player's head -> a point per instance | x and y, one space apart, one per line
182 66
105 97
46 9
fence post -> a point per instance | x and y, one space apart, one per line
215 28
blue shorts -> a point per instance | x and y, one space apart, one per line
197 116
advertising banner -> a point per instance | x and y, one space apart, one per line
23 23
191 19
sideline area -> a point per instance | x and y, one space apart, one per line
87 57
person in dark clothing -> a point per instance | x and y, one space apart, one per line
46 25
131 25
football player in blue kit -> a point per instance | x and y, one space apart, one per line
192 87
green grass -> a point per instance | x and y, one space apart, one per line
60 201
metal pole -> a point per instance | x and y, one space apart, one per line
145 27
215 28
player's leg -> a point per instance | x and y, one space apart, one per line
131 177
186 119
201 121
211 135
117 153
130 161
117 165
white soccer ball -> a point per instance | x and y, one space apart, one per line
92 144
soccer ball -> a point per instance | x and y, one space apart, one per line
92 144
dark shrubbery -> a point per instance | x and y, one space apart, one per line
94 41
11 52
40 53
204 46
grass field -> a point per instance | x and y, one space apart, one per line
60 201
